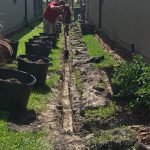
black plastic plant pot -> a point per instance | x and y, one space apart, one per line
37 66
49 42
14 45
87 28
15 89
40 42
51 39
55 35
37 49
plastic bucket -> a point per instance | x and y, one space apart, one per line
15 89
38 70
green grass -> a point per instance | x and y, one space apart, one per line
12 140
101 113
77 79
11 66
39 98
95 49
26 34
114 135
56 56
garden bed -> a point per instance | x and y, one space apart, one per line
94 106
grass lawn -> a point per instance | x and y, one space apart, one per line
12 140
95 49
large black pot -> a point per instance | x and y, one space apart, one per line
38 70
51 39
55 35
15 95
37 49
40 42
87 28
14 45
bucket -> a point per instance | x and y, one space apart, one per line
35 65
37 49
15 89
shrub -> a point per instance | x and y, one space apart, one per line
131 80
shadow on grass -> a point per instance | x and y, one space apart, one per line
19 117
114 46
43 89
23 117
127 116
25 30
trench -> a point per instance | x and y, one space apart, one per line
66 103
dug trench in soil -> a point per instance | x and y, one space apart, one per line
80 93
68 140
86 96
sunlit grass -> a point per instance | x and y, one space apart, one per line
103 112
12 140
95 49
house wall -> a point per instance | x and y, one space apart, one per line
126 21
93 12
12 15
30 10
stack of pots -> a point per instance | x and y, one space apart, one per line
14 45
16 85
36 60
58 27
87 28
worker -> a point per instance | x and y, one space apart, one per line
66 18
51 14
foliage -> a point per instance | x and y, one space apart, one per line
132 80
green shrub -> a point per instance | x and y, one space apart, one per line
131 80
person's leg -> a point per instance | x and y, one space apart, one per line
45 26
52 27
66 28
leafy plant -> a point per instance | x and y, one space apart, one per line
132 80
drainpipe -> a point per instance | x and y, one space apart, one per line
41 8
100 13
26 12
